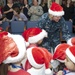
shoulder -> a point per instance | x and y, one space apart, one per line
32 7
6 6
44 16
39 6
62 19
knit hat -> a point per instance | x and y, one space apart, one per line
56 10
71 41
39 57
33 35
59 54
12 48
70 52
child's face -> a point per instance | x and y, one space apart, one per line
69 64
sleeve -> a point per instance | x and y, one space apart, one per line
42 21
39 11
65 32
30 11
24 18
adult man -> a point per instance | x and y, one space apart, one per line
54 24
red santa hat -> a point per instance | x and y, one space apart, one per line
56 10
71 41
39 57
12 48
59 54
33 35
70 52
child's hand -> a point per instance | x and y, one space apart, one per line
60 72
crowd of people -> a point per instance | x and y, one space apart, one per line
48 49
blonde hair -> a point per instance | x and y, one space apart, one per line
50 16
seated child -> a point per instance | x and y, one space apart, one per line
59 57
39 58
12 52
34 36
69 62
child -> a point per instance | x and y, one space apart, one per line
69 62
12 52
39 58
59 57
33 38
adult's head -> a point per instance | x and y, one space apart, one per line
35 2
25 2
55 12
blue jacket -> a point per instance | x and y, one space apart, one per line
53 29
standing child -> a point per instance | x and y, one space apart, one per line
12 52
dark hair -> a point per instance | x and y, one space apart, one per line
71 3
61 66
18 10
3 69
